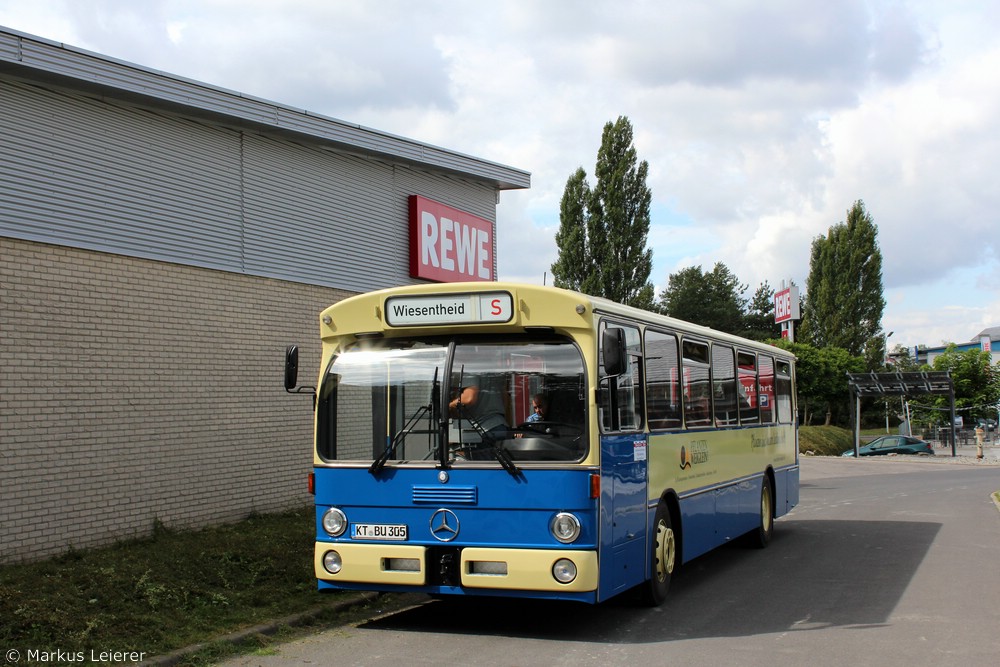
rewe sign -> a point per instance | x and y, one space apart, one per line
448 245
786 305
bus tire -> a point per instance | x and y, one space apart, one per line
761 537
663 559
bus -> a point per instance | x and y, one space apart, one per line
514 440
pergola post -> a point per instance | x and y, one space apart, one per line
951 396
857 425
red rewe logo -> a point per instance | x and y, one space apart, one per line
449 245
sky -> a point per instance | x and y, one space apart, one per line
762 121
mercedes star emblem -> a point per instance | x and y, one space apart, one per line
444 525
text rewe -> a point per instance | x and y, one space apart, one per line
449 245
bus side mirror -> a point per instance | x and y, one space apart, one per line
613 348
291 367
292 374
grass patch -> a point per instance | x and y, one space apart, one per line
168 591
825 440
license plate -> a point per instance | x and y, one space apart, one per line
378 531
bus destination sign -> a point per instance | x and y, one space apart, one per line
485 308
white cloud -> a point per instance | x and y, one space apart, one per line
762 121
175 32
920 156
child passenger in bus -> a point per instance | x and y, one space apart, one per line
539 407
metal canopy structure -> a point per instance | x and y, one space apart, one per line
899 384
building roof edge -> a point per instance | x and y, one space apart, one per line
31 57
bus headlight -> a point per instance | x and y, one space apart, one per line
332 562
564 571
334 522
565 527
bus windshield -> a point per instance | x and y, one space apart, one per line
520 399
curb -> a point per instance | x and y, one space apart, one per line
267 629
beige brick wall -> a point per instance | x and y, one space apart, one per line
135 391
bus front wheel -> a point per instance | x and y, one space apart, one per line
663 559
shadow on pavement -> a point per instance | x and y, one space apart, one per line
815 574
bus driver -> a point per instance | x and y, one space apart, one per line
481 406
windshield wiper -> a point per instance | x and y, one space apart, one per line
438 420
501 454
401 434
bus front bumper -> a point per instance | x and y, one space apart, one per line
480 567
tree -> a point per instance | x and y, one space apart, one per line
759 318
615 261
821 379
710 299
573 265
901 361
845 299
976 382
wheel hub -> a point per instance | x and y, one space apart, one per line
666 551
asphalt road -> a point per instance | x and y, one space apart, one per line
884 562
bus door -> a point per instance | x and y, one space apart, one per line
623 471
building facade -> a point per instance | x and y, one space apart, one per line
988 340
161 242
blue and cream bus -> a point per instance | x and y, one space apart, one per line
515 440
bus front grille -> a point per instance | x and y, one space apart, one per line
439 495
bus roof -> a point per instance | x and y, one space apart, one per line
366 313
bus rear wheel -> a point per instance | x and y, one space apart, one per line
663 559
761 537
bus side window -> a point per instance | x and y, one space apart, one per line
783 392
765 388
631 408
627 401
663 392
697 392
724 385
746 363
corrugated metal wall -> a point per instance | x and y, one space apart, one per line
80 172
42 59
107 176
